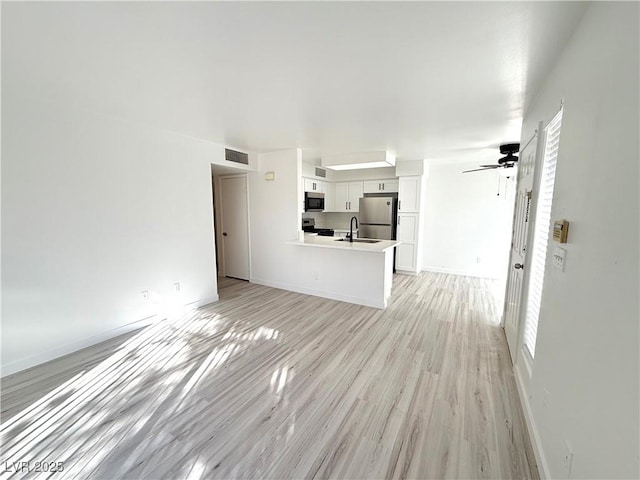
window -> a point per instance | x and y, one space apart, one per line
541 232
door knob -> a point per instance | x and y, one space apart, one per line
224 234
518 266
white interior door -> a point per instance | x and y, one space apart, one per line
517 261
235 226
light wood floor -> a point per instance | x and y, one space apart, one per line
267 383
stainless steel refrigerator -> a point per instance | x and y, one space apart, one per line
378 218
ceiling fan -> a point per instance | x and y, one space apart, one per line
508 161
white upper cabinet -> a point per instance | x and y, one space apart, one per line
390 185
409 194
341 197
347 196
313 185
381 186
329 197
355 194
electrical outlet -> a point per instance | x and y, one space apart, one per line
558 258
145 294
567 460
177 286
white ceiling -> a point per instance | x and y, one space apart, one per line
425 80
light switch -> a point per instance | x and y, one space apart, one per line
558 258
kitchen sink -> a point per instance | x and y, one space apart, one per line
358 240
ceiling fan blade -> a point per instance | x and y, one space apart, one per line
491 166
478 169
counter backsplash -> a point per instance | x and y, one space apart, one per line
335 220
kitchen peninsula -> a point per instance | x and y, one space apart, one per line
357 272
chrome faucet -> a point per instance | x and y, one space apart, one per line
351 228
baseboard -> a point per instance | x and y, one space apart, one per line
534 437
47 356
318 293
202 302
407 272
452 271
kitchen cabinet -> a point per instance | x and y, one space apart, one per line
409 193
381 186
329 197
407 251
313 185
355 194
346 197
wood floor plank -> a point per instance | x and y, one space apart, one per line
267 383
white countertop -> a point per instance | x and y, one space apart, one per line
331 242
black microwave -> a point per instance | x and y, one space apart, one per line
313 202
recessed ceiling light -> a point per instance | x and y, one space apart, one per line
353 161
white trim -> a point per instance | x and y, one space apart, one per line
72 347
453 271
534 437
526 360
61 351
320 293
406 272
202 302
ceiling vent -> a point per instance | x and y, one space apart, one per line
236 157
321 172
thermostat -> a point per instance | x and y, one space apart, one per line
560 231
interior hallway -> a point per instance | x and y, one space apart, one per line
267 383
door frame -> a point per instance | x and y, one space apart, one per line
540 132
219 215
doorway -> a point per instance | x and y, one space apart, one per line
530 237
231 208
522 219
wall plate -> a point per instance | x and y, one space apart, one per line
559 255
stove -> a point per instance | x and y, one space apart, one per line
309 226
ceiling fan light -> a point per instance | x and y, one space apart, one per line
508 172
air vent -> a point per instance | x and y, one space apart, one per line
321 172
236 157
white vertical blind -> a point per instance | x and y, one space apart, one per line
541 232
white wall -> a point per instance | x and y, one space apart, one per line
587 348
467 225
274 216
95 210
